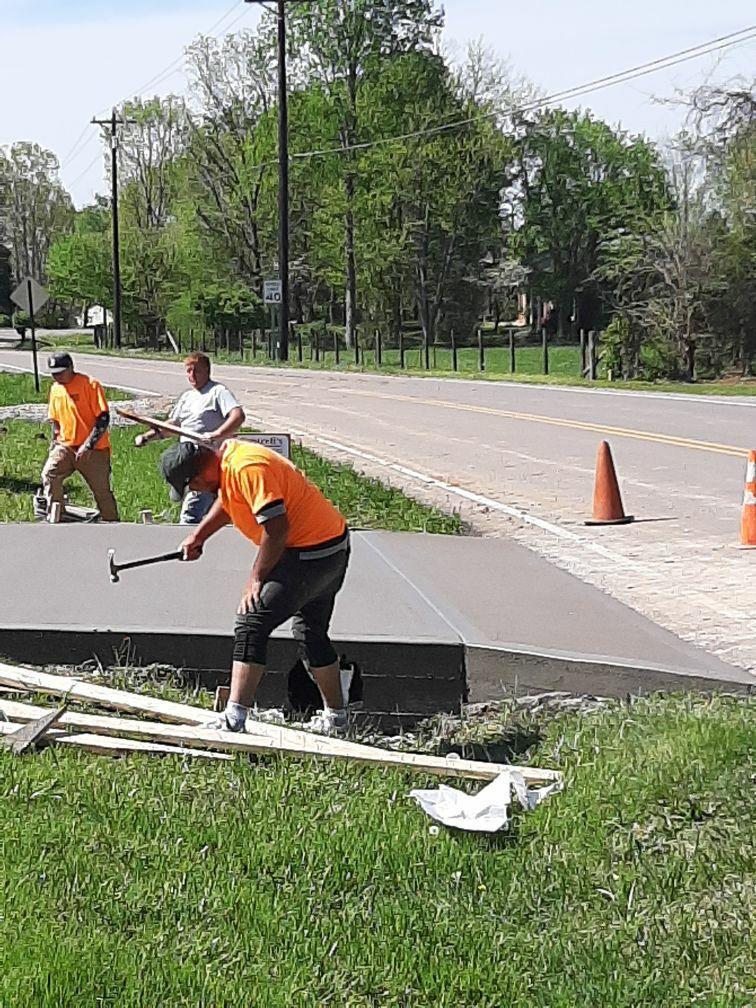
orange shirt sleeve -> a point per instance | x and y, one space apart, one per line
262 491
97 397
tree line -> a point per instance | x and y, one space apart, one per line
426 195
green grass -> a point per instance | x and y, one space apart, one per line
564 366
142 882
19 388
137 484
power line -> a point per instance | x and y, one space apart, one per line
643 69
70 156
170 68
78 148
84 172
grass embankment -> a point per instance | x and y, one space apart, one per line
366 503
281 883
564 366
16 389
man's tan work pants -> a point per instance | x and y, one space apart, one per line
94 467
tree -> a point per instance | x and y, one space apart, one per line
34 207
340 43
572 182
663 280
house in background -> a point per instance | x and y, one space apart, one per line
93 316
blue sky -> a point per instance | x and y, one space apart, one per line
64 61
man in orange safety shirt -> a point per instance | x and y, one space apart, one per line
80 417
301 562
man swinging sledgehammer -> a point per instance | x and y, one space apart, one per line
303 552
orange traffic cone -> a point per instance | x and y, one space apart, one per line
607 502
748 521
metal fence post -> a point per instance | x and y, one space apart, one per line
591 356
582 353
401 349
378 349
336 357
481 352
356 345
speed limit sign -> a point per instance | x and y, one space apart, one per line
272 292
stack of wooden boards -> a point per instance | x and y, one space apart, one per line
175 728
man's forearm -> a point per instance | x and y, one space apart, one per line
215 519
230 425
269 553
101 424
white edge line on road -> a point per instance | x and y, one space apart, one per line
475 498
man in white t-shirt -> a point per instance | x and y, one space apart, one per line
207 408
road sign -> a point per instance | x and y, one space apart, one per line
20 295
272 292
280 443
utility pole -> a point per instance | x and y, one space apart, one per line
283 182
114 122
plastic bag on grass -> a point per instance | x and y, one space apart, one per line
488 810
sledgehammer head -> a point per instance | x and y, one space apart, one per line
112 567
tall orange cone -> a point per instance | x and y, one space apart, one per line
607 501
748 521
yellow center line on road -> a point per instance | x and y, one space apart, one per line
628 432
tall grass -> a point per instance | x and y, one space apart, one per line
284 884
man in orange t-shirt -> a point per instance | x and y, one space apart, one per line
80 417
301 562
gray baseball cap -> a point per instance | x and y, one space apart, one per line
58 362
179 464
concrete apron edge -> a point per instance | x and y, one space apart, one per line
493 670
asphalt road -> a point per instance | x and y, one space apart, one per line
519 460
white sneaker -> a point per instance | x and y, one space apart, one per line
270 715
328 722
219 723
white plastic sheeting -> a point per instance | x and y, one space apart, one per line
489 809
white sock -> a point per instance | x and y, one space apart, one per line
236 715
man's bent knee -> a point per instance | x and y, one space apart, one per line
251 634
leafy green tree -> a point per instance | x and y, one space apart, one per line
339 44
573 182
34 207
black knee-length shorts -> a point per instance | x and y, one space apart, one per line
304 586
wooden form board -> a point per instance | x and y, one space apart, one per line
137 703
277 442
171 430
111 746
314 746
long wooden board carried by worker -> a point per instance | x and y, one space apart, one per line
163 426
279 742
277 442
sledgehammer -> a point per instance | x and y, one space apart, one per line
115 568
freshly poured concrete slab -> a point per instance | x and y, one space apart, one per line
57 576
521 617
58 605
431 620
